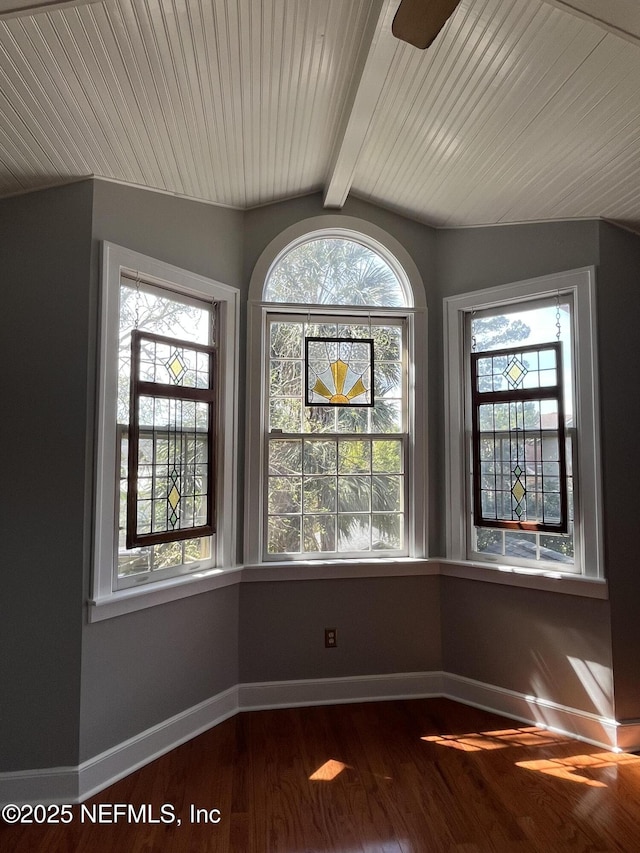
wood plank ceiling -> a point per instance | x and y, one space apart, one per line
522 110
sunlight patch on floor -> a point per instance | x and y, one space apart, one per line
499 739
570 767
328 771
332 769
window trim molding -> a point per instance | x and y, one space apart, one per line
105 601
581 284
415 312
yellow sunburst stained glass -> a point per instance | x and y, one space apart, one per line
339 372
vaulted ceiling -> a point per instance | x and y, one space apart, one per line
521 110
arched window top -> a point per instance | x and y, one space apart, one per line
333 269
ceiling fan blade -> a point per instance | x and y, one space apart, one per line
419 21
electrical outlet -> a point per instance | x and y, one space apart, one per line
330 638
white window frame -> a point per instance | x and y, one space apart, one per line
580 284
106 600
279 312
416 317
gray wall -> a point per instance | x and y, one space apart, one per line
45 245
264 223
185 651
619 355
514 638
384 625
200 237
472 258
145 667
545 644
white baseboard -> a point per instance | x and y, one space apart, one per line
581 725
629 735
105 769
52 785
335 691
76 784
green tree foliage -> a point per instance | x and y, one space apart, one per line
494 332
140 309
334 271
490 333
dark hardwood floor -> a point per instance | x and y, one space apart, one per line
391 777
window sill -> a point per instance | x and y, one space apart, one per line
541 579
138 598
161 592
334 569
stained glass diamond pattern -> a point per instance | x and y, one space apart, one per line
176 366
173 498
518 491
515 372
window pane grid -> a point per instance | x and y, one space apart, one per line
158 559
335 494
335 475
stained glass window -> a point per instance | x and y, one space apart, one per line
170 440
339 372
519 447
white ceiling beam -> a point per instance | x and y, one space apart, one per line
17 8
374 60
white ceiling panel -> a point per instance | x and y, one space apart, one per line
521 109
520 112
618 16
233 102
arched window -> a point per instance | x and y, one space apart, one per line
336 423
334 271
